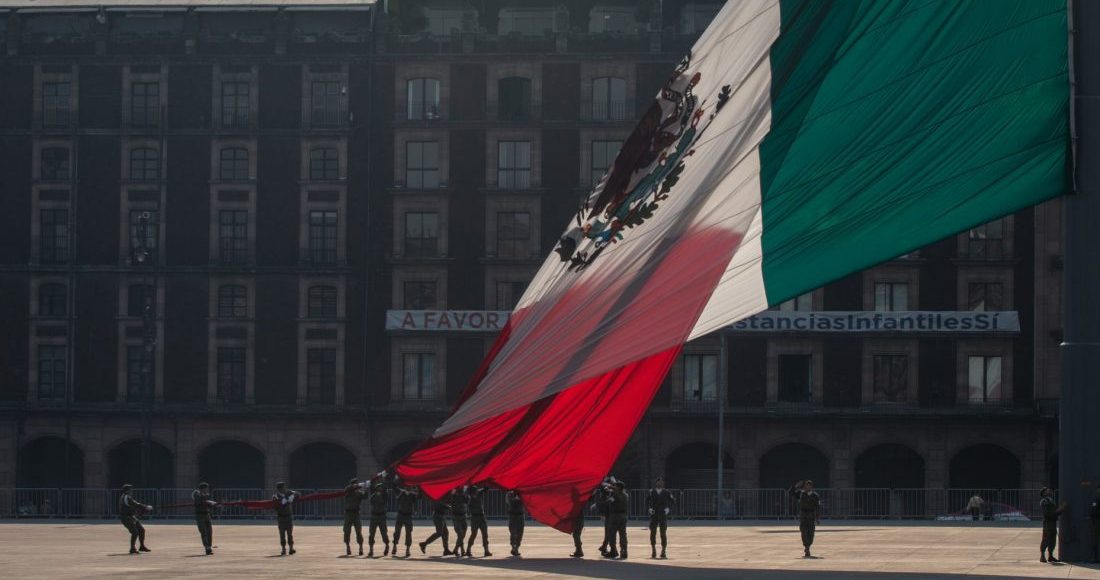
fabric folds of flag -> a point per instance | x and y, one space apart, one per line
798 142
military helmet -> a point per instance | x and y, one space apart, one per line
280 484
127 487
204 485
353 481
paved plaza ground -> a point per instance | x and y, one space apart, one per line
860 551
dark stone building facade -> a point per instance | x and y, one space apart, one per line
328 222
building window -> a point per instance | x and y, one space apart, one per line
700 377
987 241
136 370
891 296
322 237
53 236
232 301
802 303
514 164
234 164
421 234
513 234
795 378
144 164
236 104
514 98
603 155
418 376
55 105
231 374
138 298
233 236
422 164
891 377
985 297
325 104
509 293
608 99
321 375
419 295
52 365
144 235
984 379
423 99
144 104
324 164
52 300
321 302
55 164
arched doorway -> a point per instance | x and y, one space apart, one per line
695 465
791 462
890 477
232 464
985 466
124 463
43 463
321 466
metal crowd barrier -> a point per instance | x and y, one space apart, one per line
691 504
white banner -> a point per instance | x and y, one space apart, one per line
768 321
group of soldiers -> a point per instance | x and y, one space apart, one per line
466 506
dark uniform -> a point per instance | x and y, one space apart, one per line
809 512
578 529
459 508
477 520
284 514
128 511
201 498
379 501
516 517
406 505
660 503
353 497
1051 511
618 504
439 520
599 500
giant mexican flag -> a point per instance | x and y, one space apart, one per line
798 142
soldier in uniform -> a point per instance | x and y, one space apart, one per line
353 497
516 517
406 505
203 503
578 528
128 511
618 511
477 520
379 501
1051 511
284 514
599 503
439 520
809 511
1094 518
459 507
660 502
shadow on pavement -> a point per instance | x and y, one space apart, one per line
643 570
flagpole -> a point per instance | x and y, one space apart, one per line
1079 424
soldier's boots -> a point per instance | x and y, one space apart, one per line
370 553
612 553
1042 557
292 551
360 549
447 550
386 552
407 550
348 546
807 554
624 553
488 553
423 548
577 554
284 551
209 552
515 551
134 551
654 553
144 549
663 555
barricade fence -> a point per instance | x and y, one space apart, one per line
690 504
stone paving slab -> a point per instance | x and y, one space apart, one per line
861 551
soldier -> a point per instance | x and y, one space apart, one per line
128 511
379 501
809 511
1094 517
578 527
618 504
459 507
1051 511
600 504
406 505
353 497
439 520
516 517
203 503
284 514
660 504
477 520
